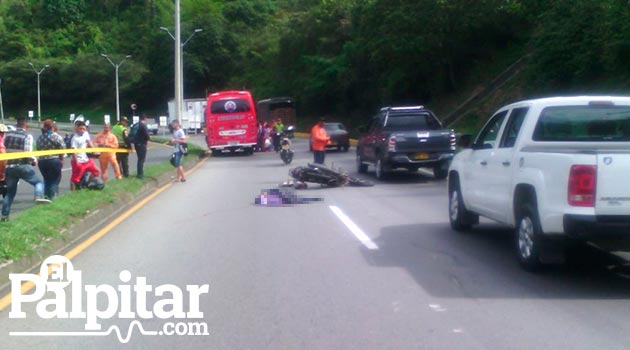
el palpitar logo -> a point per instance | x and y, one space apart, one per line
58 278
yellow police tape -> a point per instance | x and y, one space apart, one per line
52 152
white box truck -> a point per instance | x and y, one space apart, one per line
193 111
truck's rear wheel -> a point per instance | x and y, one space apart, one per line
380 169
528 238
440 172
361 167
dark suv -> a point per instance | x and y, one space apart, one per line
406 137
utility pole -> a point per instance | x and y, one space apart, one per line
116 66
178 64
39 104
181 76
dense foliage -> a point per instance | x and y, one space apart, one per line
335 57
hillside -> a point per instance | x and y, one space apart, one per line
339 59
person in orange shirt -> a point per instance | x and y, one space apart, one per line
319 140
108 140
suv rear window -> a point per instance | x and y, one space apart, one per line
583 123
235 105
405 121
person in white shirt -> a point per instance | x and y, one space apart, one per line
179 142
81 163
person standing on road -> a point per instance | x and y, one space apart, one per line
108 140
319 140
179 138
267 144
20 169
140 141
50 166
278 130
260 140
121 131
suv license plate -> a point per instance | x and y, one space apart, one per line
233 143
422 156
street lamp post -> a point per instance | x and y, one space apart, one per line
181 59
116 66
179 100
39 105
179 78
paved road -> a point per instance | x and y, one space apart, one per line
298 278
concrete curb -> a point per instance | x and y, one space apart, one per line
84 228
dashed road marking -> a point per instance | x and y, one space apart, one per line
437 307
356 231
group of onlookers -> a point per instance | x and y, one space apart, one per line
84 174
269 134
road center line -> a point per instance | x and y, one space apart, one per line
356 231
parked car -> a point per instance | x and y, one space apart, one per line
339 137
406 137
555 169
152 126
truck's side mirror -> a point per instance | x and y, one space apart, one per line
465 141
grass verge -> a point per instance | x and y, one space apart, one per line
35 227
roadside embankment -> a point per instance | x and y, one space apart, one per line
41 231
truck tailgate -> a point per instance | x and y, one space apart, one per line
429 141
613 184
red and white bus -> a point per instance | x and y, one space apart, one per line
231 121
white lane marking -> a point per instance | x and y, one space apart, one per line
437 307
356 231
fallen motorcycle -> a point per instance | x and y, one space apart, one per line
320 174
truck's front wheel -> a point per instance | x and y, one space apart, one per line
459 217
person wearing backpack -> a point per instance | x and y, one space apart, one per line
178 141
140 136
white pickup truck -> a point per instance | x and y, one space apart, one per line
554 169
